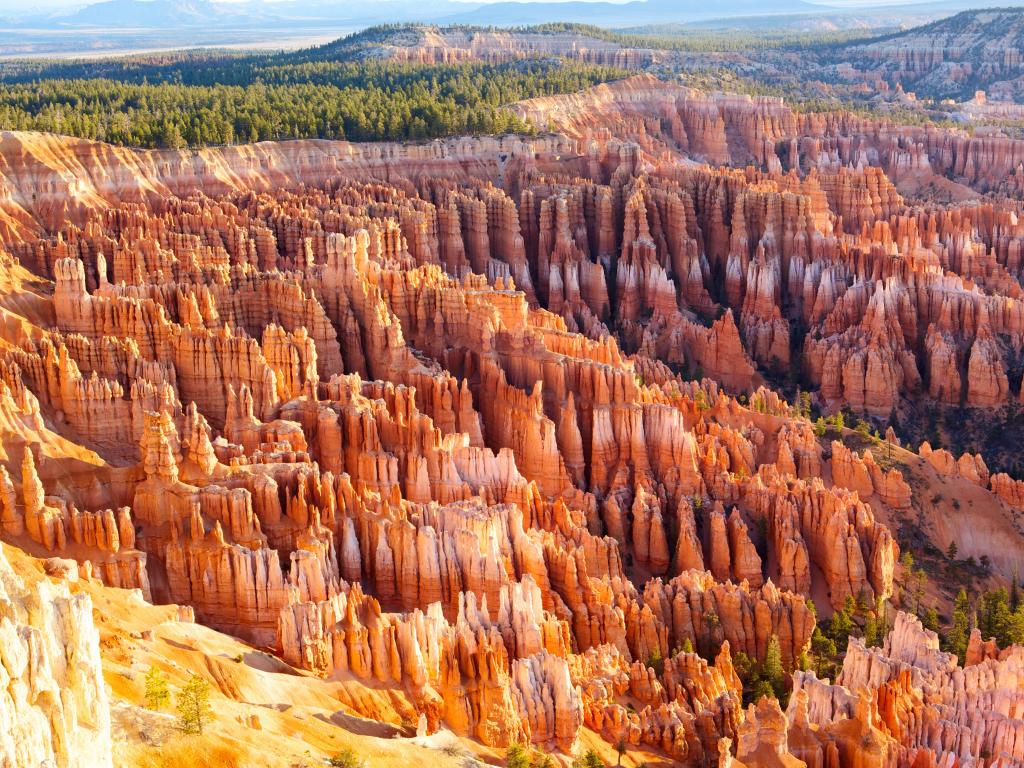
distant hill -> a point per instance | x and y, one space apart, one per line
172 14
177 14
632 13
136 25
952 57
634 48
464 42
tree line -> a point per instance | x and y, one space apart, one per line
240 101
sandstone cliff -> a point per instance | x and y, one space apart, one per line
54 699
483 423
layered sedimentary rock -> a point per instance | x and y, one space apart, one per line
863 279
683 714
974 49
54 699
432 45
969 466
908 702
495 433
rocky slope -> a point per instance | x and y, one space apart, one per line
949 58
258 700
55 708
480 428
906 703
448 45
910 701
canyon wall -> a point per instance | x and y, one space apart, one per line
53 701
486 421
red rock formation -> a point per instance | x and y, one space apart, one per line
986 377
694 607
913 704
849 470
475 435
970 467
1009 490
55 702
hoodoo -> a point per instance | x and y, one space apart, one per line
681 429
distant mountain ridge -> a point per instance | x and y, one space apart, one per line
178 14
140 25
121 14
952 57
641 11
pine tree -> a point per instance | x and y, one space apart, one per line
882 615
919 588
824 650
516 757
193 703
1015 628
1015 591
743 665
812 608
345 759
871 631
589 759
840 625
157 693
656 661
995 614
773 671
930 619
761 689
955 640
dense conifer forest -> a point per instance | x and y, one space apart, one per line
205 98
341 90
204 101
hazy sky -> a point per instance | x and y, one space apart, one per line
24 7
28 6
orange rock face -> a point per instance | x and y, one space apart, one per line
887 701
496 433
